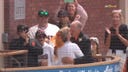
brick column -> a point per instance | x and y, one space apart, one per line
123 6
1 28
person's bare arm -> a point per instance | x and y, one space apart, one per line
67 60
60 6
108 39
83 16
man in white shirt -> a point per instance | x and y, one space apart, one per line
49 29
67 49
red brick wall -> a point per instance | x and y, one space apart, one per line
99 16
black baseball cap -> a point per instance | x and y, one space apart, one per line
21 28
40 34
63 13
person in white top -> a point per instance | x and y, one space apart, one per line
48 28
46 59
48 53
67 49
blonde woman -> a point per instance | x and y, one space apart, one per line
116 37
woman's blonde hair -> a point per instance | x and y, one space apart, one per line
61 37
63 33
119 11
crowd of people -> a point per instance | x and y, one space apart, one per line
64 43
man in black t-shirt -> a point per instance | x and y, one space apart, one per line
83 41
25 43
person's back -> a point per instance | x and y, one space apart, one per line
67 49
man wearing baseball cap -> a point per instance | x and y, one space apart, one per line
23 42
63 18
48 28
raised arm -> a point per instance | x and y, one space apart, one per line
83 14
60 6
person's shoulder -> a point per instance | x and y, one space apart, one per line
33 27
53 25
72 44
83 36
123 26
46 45
86 36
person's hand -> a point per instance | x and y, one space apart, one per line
26 41
117 31
108 31
77 17
44 62
67 60
25 37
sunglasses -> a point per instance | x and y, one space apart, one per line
43 13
